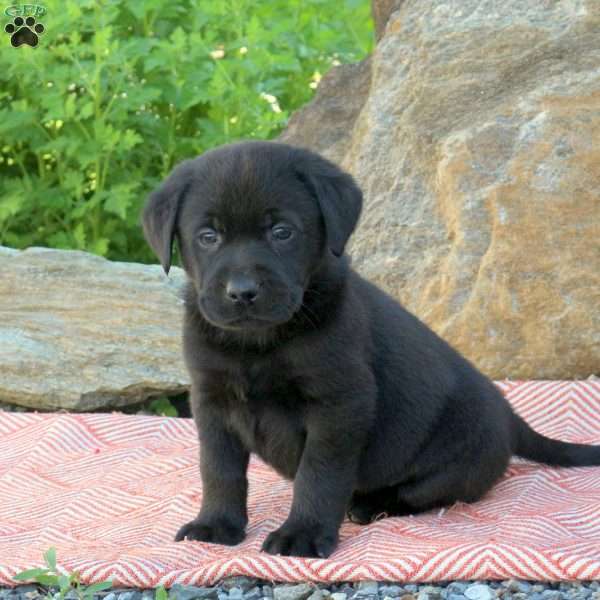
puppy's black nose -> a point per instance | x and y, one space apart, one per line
242 289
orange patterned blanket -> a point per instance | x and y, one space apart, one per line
109 491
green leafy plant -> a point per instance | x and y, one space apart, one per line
161 593
162 406
51 578
118 92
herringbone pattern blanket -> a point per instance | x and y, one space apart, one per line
109 491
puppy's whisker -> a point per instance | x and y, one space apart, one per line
307 310
312 291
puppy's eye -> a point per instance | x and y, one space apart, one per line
208 237
281 233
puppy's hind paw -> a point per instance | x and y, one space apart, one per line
218 531
364 510
363 515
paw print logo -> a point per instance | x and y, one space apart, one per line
24 31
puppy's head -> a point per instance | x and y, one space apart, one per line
254 220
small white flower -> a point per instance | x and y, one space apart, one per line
335 62
243 50
233 120
216 54
316 79
268 97
72 87
124 95
275 106
49 84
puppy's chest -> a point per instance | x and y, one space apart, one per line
266 408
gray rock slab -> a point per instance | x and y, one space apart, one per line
80 332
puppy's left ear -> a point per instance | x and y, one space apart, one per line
160 213
339 197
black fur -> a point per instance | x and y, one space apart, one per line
294 356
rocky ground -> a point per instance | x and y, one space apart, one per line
243 588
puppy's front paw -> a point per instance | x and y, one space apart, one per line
217 531
301 540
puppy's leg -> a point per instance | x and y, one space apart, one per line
324 481
223 464
441 488
433 490
465 479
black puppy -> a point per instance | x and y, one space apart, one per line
294 356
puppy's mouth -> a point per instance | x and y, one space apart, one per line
245 319
249 322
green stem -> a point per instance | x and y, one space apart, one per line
24 173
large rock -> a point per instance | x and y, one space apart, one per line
477 144
381 11
305 127
80 332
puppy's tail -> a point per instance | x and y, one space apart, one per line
535 446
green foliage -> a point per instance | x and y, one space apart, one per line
162 406
161 593
51 578
118 92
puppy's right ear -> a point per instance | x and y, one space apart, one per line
160 213
339 197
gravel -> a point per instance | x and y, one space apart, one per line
480 591
246 588
292 592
